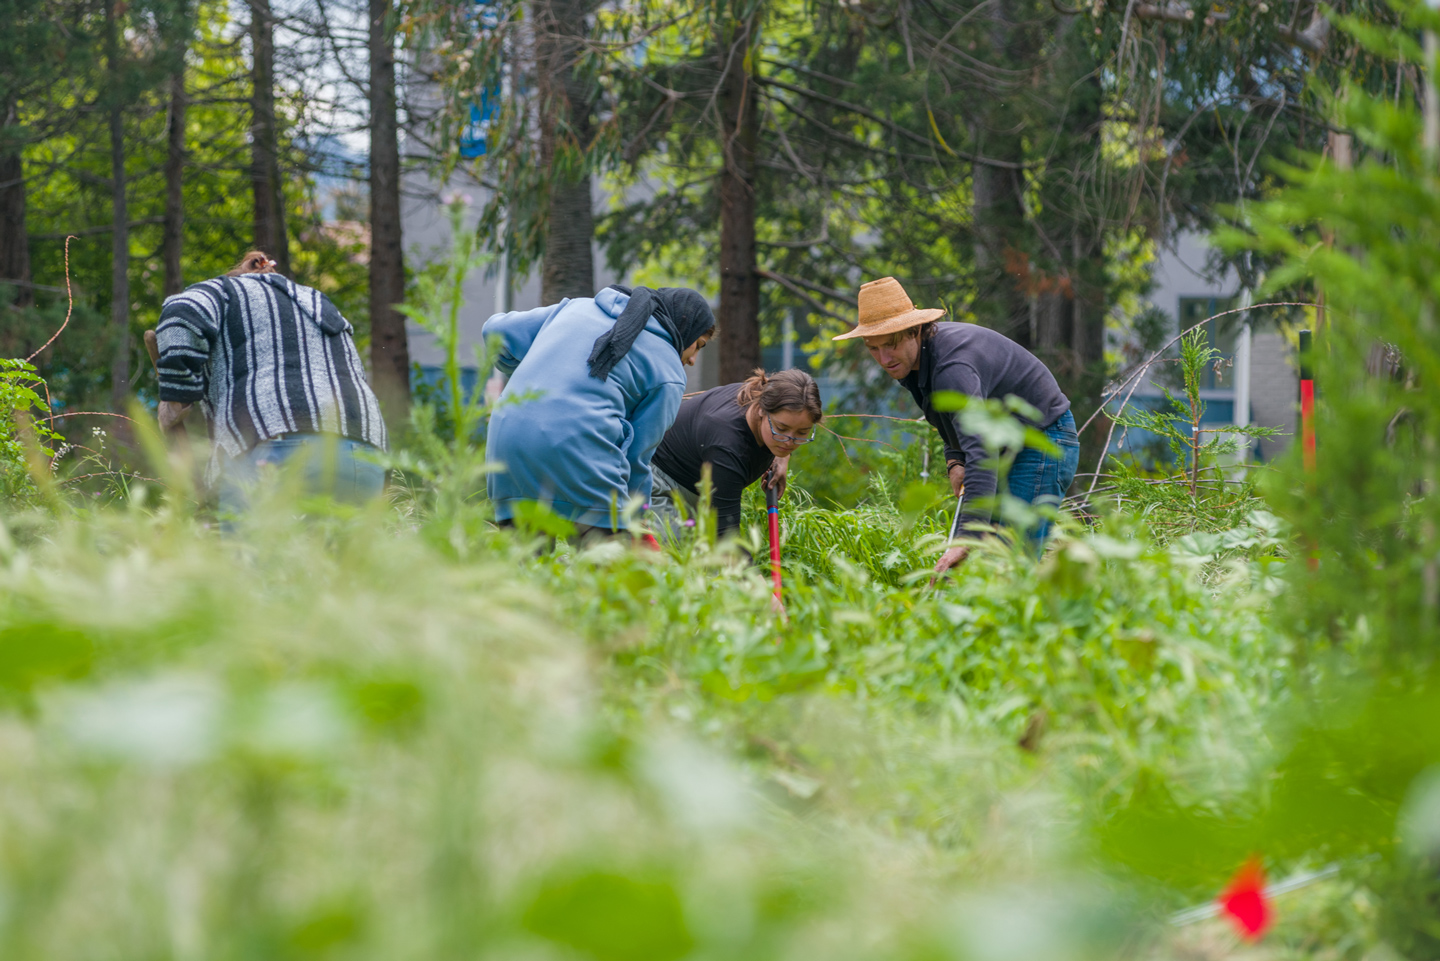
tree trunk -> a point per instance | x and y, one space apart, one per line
1052 310
1088 307
120 229
389 350
566 129
1001 302
14 241
172 240
739 315
1003 294
270 235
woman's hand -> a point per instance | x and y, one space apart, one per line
777 607
776 478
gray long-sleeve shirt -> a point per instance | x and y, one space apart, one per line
979 362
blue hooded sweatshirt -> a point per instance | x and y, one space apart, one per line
566 438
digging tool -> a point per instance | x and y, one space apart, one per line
1307 423
1307 404
772 509
955 523
954 528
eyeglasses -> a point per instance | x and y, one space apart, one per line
786 438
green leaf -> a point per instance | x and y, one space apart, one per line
947 401
611 917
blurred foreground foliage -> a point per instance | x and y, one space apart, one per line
346 737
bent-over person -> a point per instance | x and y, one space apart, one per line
273 365
742 431
593 385
927 357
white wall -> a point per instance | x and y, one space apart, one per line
425 225
1274 381
1180 272
1274 390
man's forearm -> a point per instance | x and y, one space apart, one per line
172 416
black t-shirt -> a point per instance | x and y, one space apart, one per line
711 428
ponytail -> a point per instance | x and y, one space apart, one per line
783 390
255 262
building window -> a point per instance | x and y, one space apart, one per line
1220 334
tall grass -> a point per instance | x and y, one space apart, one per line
331 738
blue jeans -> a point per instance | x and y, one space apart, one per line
1038 478
329 467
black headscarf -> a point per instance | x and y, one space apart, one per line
683 312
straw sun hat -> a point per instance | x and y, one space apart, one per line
885 308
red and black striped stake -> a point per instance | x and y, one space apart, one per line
1307 426
1307 404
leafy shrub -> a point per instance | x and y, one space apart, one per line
21 432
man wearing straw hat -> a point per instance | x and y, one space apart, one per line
926 357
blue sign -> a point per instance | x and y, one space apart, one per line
474 140
475 137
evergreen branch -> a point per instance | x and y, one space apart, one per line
889 124
846 138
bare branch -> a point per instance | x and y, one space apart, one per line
789 284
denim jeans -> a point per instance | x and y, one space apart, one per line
328 463
1038 478
663 514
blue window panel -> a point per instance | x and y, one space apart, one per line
475 138
430 375
1218 413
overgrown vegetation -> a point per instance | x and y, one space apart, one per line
401 732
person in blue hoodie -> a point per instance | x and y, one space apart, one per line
594 384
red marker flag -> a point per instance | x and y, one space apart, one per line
1244 902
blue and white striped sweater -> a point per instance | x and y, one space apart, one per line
265 356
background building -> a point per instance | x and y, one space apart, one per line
1257 382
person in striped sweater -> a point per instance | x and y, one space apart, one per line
273 365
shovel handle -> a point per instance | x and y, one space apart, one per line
152 347
959 507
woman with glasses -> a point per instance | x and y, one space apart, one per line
741 431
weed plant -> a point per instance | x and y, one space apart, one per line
25 436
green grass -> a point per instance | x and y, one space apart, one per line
401 733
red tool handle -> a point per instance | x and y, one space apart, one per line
772 507
1307 404
1307 424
